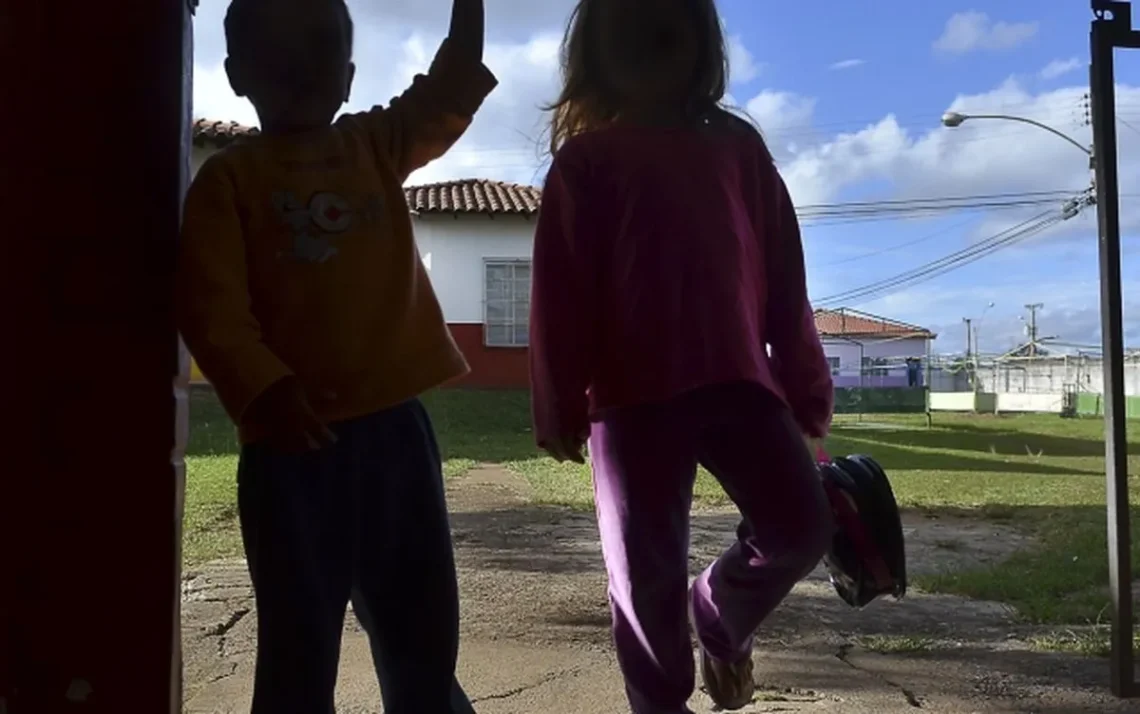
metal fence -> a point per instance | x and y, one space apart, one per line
1083 374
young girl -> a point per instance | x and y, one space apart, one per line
671 327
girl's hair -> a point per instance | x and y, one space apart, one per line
587 103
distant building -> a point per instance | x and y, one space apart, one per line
870 351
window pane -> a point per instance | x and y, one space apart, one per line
522 335
497 335
498 311
497 282
522 279
498 290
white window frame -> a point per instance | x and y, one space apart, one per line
836 365
876 367
518 306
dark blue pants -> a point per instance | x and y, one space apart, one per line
364 520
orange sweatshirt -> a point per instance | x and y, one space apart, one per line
298 257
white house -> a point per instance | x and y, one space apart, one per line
870 351
476 237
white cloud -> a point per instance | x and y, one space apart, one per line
1057 68
907 159
973 30
213 98
743 67
927 160
848 64
782 116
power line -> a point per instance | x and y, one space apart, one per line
880 291
933 205
953 261
944 265
900 246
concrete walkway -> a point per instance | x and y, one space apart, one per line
536 629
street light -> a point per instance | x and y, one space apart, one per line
977 344
1111 29
952 120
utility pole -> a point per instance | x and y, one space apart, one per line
970 351
1112 28
1033 327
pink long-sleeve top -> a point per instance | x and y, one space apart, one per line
667 259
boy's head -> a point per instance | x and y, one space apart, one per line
291 58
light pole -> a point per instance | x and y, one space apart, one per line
973 351
1111 28
953 120
977 344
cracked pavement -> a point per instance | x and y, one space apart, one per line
536 639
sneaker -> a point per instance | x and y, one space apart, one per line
729 684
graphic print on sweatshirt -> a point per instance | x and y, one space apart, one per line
317 225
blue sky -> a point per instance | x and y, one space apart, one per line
849 96
861 62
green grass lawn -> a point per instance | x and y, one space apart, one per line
473 427
1039 473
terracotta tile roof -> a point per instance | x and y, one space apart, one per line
474 196
219 133
851 323
451 197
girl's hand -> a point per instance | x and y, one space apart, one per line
815 447
565 448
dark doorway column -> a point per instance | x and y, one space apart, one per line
94 163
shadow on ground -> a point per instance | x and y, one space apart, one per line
950 551
896 450
991 439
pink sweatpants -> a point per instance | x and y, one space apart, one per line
645 461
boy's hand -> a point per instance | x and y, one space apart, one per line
566 448
293 425
467 27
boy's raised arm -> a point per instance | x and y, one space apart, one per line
426 120
468 28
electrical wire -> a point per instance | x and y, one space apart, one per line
932 205
876 292
957 259
900 246
940 267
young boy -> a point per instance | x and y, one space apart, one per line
304 301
